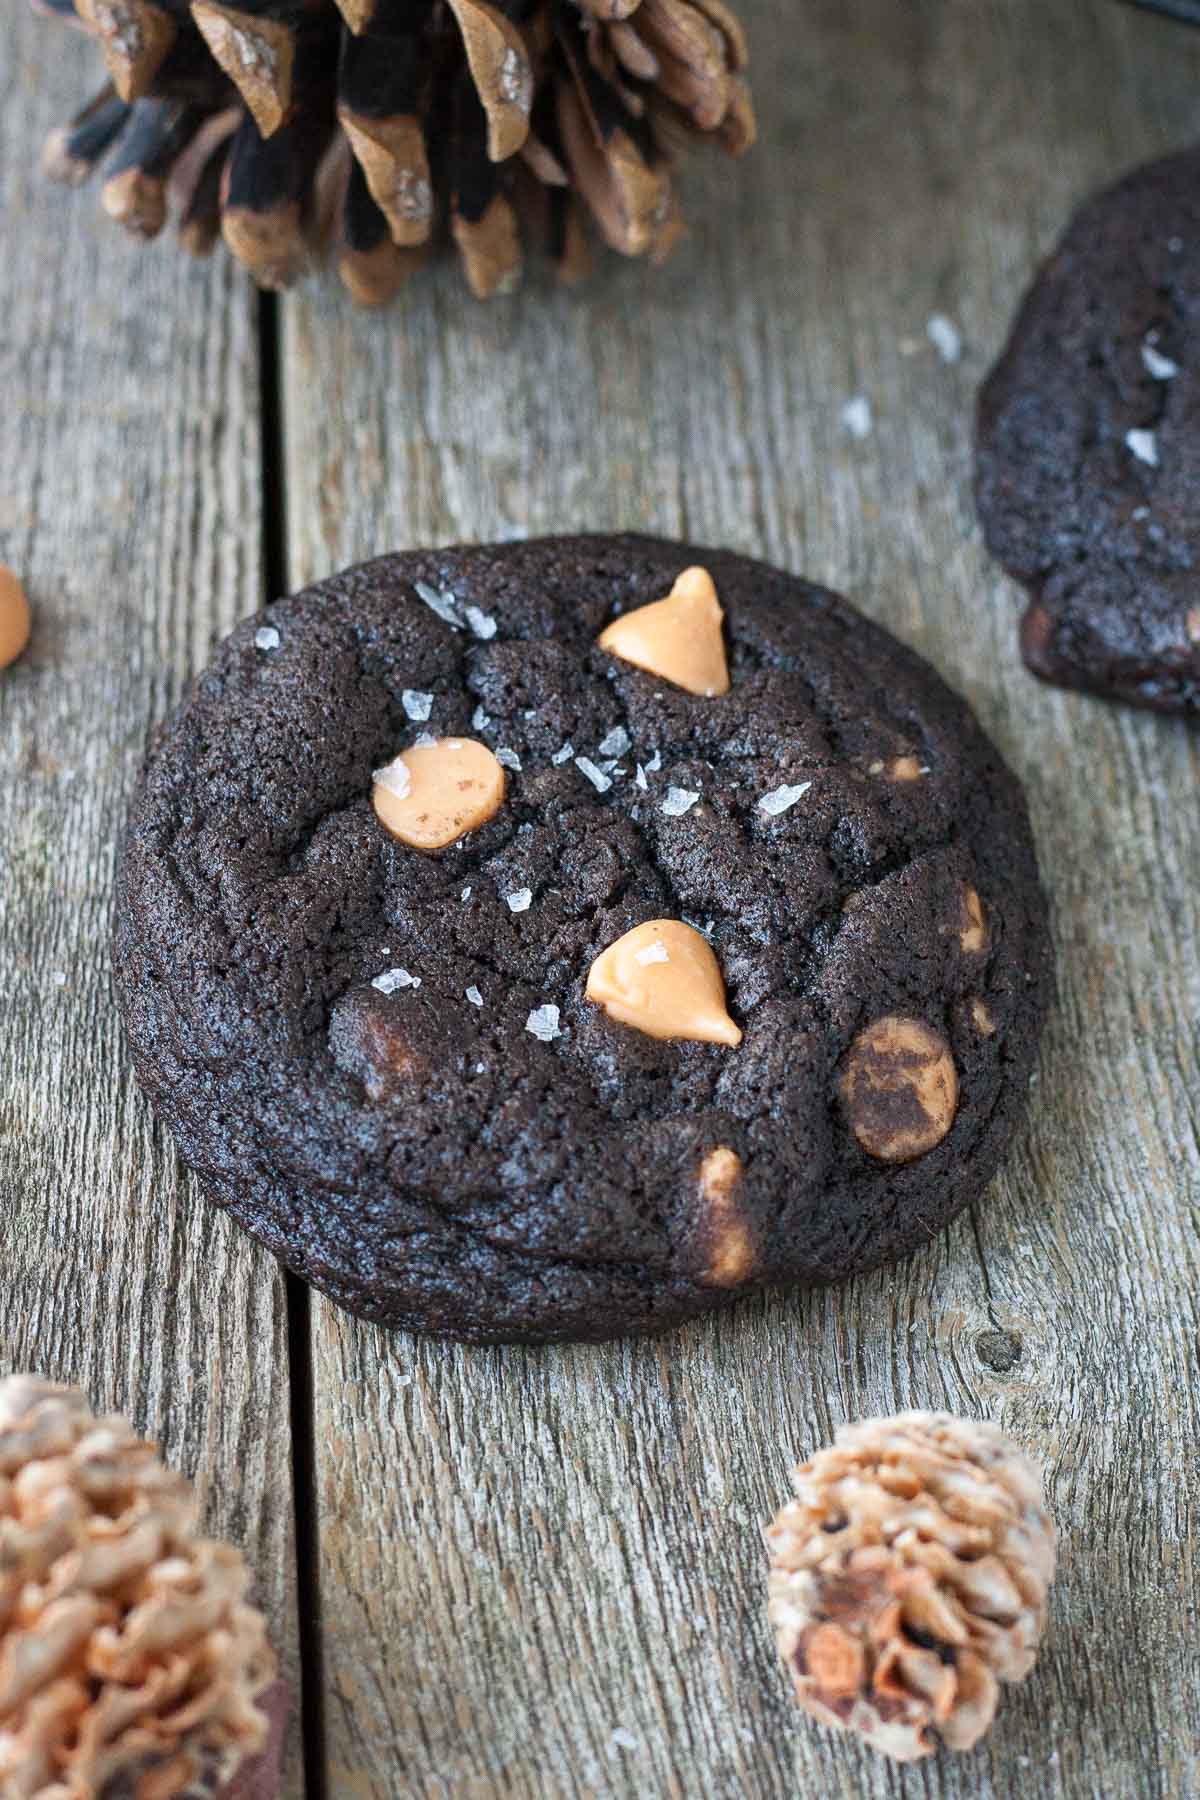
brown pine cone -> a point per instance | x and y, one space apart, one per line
130 1665
381 124
909 1578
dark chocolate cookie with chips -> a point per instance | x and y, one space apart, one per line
556 940
1088 468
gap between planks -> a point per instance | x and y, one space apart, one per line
299 1301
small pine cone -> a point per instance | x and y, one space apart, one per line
384 125
909 1578
130 1666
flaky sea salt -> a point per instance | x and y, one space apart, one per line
653 953
417 705
1161 367
443 604
640 779
782 799
508 759
856 416
563 755
520 901
616 743
466 893
395 778
679 801
543 1023
945 337
474 996
599 780
1144 445
392 979
267 638
481 623
479 720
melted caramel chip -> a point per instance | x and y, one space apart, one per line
15 620
899 1089
663 979
436 793
678 638
973 934
731 1255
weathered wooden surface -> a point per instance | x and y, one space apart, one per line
525 1553
129 500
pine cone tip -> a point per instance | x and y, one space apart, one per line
909 1578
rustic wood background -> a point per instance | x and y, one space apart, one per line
540 1573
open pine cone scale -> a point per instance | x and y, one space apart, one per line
385 125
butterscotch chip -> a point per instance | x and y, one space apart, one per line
434 794
663 979
15 618
679 638
981 1014
904 769
899 1089
973 935
731 1254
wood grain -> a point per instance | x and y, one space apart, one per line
129 502
541 1572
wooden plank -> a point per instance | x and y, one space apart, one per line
129 500
523 1554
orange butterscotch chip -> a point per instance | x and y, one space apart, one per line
15 619
981 1014
904 769
433 794
731 1254
663 979
973 932
899 1089
678 638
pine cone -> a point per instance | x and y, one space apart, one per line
129 1665
378 124
909 1578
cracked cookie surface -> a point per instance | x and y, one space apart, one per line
383 1061
1088 452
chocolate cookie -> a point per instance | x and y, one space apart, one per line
555 940
1088 471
